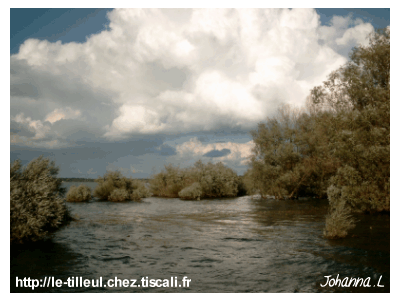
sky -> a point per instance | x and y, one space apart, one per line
101 90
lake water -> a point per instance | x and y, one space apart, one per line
232 245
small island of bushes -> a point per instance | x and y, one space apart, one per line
81 193
201 181
113 186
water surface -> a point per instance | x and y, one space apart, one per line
231 245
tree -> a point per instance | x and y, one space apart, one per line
339 146
359 92
359 95
278 165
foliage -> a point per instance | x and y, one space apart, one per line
37 207
192 192
363 144
118 195
338 146
213 180
292 155
216 180
339 221
242 190
169 182
138 191
79 194
128 188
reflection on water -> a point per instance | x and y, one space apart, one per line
231 245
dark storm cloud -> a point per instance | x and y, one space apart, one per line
37 92
20 129
85 155
166 150
217 153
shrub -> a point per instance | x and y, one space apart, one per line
339 220
140 191
192 192
169 182
119 195
79 194
215 181
112 181
37 206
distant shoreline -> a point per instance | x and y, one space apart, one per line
76 179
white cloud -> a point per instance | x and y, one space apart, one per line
35 126
344 33
239 152
355 35
169 71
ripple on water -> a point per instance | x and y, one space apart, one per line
234 245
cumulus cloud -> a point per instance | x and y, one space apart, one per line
158 71
35 126
344 33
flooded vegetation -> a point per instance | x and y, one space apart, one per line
320 180
338 146
202 181
239 244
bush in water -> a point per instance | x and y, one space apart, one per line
37 206
192 192
81 193
339 220
118 195
129 188
213 181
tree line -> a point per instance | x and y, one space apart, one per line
337 146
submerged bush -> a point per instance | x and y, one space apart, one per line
361 195
140 191
37 206
212 181
339 220
79 194
192 192
169 182
128 188
118 195
216 180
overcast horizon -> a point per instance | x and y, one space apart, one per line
99 90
